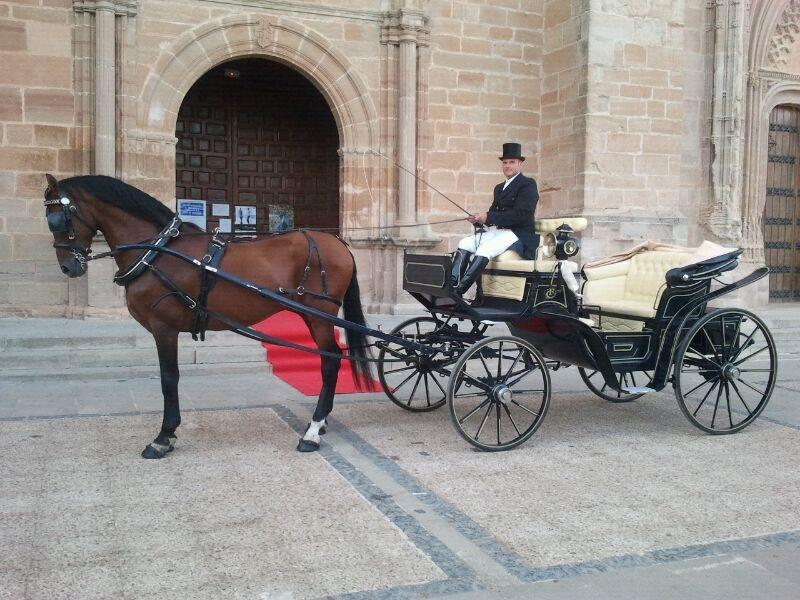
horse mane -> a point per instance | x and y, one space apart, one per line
119 194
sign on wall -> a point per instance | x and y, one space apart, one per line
193 211
245 219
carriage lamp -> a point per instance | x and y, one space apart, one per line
566 246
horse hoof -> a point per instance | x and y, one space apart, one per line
156 451
307 446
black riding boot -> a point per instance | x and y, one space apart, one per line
460 261
475 269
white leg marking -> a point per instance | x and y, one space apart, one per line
312 434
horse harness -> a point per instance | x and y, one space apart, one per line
61 222
217 246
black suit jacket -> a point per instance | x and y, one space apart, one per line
513 209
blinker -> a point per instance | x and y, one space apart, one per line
57 222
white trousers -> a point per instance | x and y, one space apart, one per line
490 243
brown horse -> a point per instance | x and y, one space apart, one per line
80 206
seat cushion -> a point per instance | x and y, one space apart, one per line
511 286
632 286
550 225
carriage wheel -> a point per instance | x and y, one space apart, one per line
412 383
590 378
724 370
499 393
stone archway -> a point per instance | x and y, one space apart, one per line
247 36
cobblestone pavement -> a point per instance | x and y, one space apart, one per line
605 501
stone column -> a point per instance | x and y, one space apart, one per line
105 90
407 127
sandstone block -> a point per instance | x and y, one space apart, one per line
27 159
49 106
19 135
50 39
43 15
556 12
502 33
51 135
624 142
28 70
467 79
10 104
476 46
447 43
12 35
661 144
463 98
627 107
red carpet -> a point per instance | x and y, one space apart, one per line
299 369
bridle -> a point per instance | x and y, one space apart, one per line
62 222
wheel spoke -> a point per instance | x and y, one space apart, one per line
749 356
497 412
706 382
751 387
398 370
439 385
513 422
716 404
474 410
406 380
525 408
735 337
483 422
427 391
414 390
633 379
743 346
499 371
713 347
513 364
522 376
689 352
485 366
736 389
592 375
756 370
728 403
708 393
476 382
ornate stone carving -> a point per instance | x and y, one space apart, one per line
264 33
122 8
786 34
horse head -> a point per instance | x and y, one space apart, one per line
72 228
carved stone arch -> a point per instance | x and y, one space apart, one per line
206 46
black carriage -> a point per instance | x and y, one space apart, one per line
639 321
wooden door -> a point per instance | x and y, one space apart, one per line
782 209
263 137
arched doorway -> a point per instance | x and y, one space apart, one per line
782 207
258 143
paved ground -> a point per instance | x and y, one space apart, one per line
605 501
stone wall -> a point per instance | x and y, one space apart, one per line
613 101
484 88
37 119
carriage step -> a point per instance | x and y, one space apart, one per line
637 389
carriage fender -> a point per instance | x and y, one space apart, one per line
592 345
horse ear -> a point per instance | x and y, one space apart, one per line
52 183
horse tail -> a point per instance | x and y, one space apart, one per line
356 341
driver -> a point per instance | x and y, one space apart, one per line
509 220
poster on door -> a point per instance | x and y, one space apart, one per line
192 211
245 219
281 217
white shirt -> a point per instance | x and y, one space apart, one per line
505 185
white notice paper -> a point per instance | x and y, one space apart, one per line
224 225
220 210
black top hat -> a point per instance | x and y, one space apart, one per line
512 150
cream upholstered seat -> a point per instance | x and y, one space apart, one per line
632 286
513 287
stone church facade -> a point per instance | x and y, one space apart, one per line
672 120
